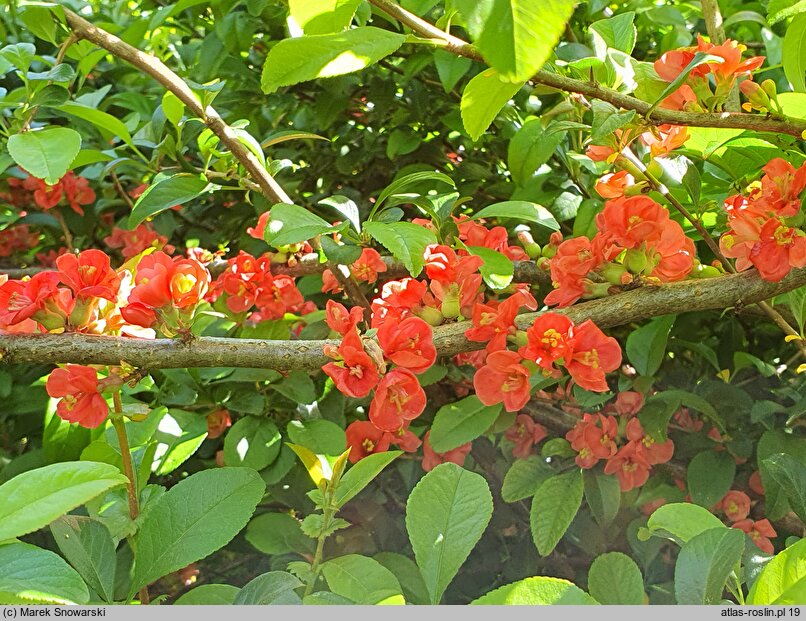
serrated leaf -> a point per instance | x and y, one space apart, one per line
783 580
88 547
361 474
274 587
704 564
646 346
193 519
252 442
31 575
35 498
790 474
537 591
167 192
446 514
530 148
323 16
209 595
360 579
405 240
520 210
277 533
710 476
617 32
793 53
290 224
109 124
497 269
460 422
681 521
554 506
603 495
297 60
523 479
614 578
45 153
482 100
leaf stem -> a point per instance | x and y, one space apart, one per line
328 513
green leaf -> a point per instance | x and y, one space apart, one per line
516 36
530 148
292 61
783 580
290 224
554 506
460 422
209 595
323 16
193 519
45 153
450 68
681 521
614 578
710 476
406 241
362 474
520 210
700 58
446 514
360 579
31 575
524 478
252 442
109 124
497 269
482 100
169 191
794 54
607 119
323 437
277 533
88 547
646 346
537 591
617 32
407 574
406 182
790 474
778 10
35 498
603 495
274 587
704 565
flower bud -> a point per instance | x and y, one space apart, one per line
531 247
432 316
635 261
613 273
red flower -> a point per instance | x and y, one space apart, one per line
217 423
754 482
89 275
593 438
408 344
672 255
574 260
278 295
80 402
259 230
398 398
599 153
594 355
760 532
364 438
354 373
20 300
339 319
629 403
629 465
77 191
494 325
652 452
431 459
404 439
632 221
134 242
781 187
548 340
503 379
367 266
397 299
736 505
779 249
524 434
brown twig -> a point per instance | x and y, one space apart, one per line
659 116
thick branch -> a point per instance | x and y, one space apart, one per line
636 305
660 116
161 73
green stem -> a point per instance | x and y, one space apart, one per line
128 470
328 515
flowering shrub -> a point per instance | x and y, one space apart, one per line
472 329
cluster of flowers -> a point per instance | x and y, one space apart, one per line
359 367
96 299
138 240
16 239
736 507
635 238
75 191
596 437
80 394
247 283
759 234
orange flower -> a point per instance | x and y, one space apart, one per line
548 340
89 275
80 400
408 344
364 438
339 319
354 372
594 355
629 465
367 266
664 139
760 532
503 379
646 445
629 403
736 505
217 423
398 398
594 438
613 185
495 324
632 221
524 434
